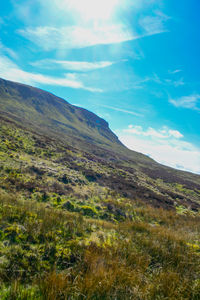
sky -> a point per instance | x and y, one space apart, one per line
134 63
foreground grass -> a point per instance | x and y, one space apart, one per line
72 226
49 253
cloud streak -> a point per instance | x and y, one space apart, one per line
81 66
122 110
175 71
11 71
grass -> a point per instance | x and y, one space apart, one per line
53 254
68 232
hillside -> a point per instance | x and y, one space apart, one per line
83 217
53 115
40 112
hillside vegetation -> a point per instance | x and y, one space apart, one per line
90 219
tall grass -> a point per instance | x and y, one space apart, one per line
54 254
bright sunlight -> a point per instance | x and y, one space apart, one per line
93 9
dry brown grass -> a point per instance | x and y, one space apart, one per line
157 256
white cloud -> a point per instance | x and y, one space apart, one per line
82 66
190 102
163 133
10 71
175 133
166 146
72 37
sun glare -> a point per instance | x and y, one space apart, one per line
94 9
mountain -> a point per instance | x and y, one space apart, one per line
53 115
83 217
43 113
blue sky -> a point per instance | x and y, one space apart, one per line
133 62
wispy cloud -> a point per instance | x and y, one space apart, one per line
155 78
123 110
72 37
176 83
190 102
81 66
11 71
168 148
8 51
154 24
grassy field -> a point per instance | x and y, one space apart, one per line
49 253
67 232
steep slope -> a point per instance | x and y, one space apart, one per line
104 160
56 117
54 114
